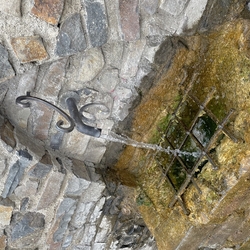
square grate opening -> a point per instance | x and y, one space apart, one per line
193 128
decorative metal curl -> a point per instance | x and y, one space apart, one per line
23 101
93 118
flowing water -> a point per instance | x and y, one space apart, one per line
113 137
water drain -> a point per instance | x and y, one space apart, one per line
193 127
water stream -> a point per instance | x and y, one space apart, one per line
113 137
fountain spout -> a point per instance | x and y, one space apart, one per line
80 126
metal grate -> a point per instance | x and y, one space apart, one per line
183 133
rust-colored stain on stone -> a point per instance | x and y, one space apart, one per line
48 10
29 49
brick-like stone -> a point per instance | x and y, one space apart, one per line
29 49
130 22
96 22
94 151
71 37
6 70
12 7
40 121
115 33
7 134
5 215
48 10
131 58
75 144
49 84
51 191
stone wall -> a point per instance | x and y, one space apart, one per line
51 194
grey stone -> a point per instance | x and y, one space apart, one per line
91 63
12 7
174 7
94 192
103 230
149 6
6 70
131 58
27 224
76 186
81 214
108 80
97 211
96 23
56 140
71 37
16 173
113 54
40 170
112 7
66 211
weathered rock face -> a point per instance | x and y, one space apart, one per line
217 198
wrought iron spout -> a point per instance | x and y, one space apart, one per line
76 116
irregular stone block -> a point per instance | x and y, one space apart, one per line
130 19
16 174
12 7
29 49
56 140
91 63
48 10
108 80
28 189
82 213
65 212
51 191
42 168
174 7
75 144
103 230
94 192
193 13
3 240
6 70
7 134
26 229
113 53
96 23
50 81
40 121
131 58
80 170
149 6
112 7
76 186
71 37
5 215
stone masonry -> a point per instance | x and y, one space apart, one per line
51 193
